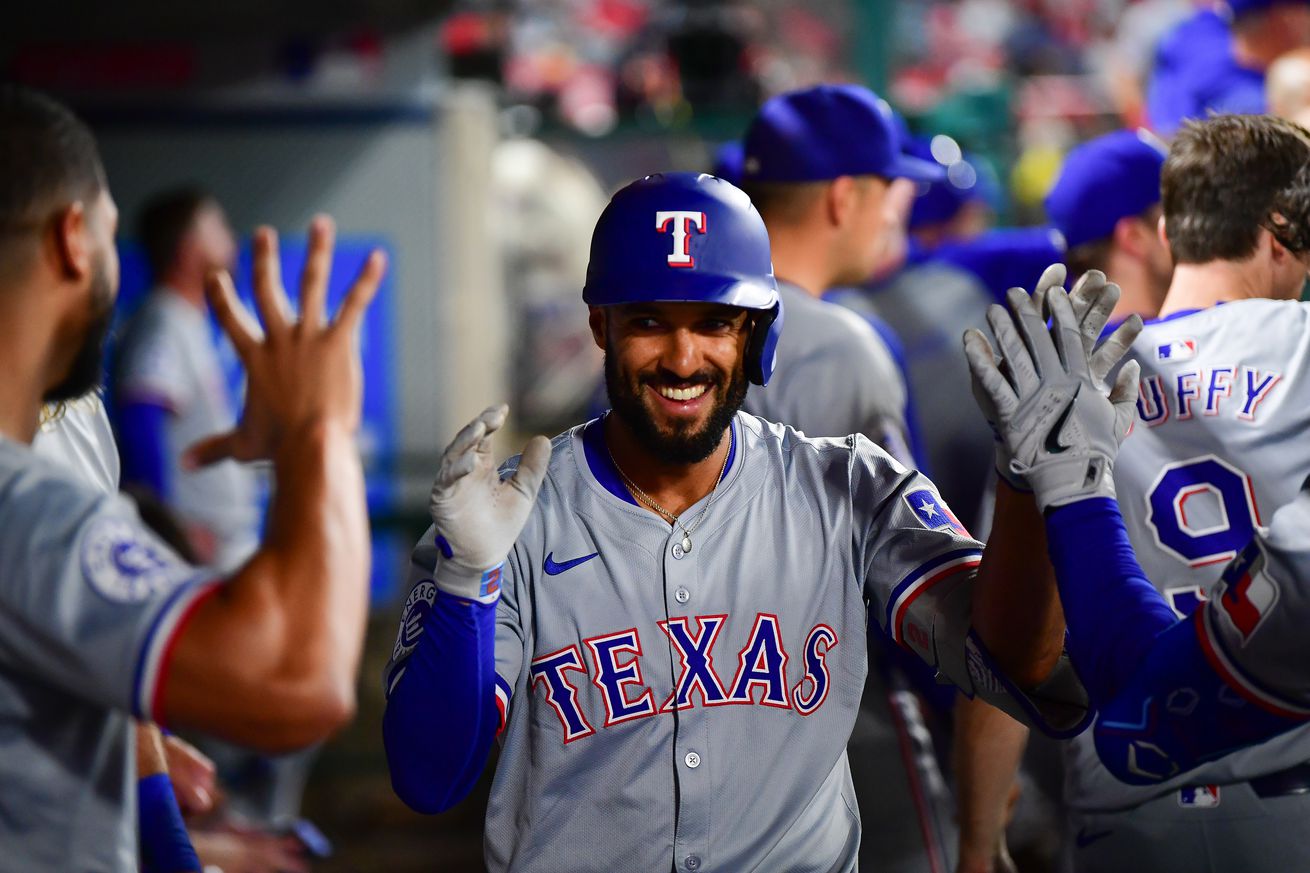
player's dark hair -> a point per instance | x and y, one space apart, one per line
48 159
783 202
165 219
1229 176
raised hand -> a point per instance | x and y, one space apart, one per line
1059 427
299 372
478 515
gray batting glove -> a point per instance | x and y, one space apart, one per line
1093 299
1052 277
478 515
1062 431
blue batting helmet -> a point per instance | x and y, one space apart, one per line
688 238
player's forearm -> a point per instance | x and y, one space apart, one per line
1016 605
150 758
988 746
441 716
295 611
319 537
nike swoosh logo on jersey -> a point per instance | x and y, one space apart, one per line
1053 435
553 569
1085 839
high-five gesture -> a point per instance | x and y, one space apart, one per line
1052 412
296 610
300 371
478 515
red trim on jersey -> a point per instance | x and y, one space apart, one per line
964 564
1215 658
166 656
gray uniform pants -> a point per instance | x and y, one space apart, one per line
1244 833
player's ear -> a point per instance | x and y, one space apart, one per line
72 242
1125 235
596 320
839 200
1278 253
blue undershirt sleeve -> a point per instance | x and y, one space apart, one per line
142 445
1162 707
1113 612
165 844
441 716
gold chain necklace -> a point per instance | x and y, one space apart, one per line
670 517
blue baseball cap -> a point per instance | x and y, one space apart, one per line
827 131
1236 8
1103 180
727 162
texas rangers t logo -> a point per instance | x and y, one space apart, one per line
682 222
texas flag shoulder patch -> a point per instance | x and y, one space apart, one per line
932 512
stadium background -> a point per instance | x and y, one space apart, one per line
477 142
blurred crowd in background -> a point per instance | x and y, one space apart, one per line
477 142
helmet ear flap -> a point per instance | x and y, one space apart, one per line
762 345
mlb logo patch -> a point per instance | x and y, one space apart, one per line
1199 796
1177 350
932 513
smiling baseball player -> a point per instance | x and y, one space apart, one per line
664 613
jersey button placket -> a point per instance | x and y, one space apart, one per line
692 727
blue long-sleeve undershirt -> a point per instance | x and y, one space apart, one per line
1113 612
1138 660
441 716
142 445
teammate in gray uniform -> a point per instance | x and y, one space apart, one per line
1217 448
821 165
99 620
666 611
823 204
169 386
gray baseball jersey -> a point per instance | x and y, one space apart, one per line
90 602
82 439
1218 446
834 376
1258 641
666 709
169 357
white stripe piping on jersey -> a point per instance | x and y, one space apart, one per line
1212 646
901 604
502 703
160 641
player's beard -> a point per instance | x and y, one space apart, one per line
682 443
85 372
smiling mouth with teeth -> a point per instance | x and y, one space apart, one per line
682 393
